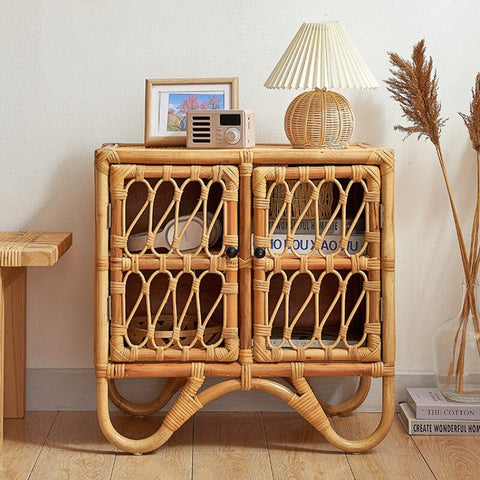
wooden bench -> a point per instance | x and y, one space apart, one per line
19 250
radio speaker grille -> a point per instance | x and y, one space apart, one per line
201 129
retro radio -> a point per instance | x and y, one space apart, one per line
220 128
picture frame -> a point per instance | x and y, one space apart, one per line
167 101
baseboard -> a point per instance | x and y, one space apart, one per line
75 389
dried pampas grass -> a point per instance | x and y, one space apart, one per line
414 86
472 121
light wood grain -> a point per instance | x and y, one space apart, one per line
175 457
451 457
72 448
18 250
396 457
298 452
227 432
14 281
33 249
232 466
2 346
23 442
75 449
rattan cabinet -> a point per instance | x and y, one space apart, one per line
249 265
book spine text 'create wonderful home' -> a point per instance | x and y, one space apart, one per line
416 426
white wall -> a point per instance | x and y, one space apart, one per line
73 77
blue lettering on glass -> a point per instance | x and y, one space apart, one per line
353 246
332 245
277 243
301 244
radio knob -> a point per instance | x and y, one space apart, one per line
232 135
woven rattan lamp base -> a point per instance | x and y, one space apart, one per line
319 119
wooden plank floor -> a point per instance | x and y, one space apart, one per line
232 446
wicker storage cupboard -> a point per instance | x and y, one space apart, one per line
248 265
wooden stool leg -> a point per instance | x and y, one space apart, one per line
2 337
14 281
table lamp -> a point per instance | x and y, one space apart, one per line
320 56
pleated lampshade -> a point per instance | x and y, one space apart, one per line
321 56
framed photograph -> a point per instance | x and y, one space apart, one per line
168 100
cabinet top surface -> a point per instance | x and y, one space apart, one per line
267 154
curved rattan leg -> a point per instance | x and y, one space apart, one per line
172 385
183 408
388 412
188 403
308 407
349 405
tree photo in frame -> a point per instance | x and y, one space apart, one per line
167 102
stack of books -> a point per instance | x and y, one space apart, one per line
428 412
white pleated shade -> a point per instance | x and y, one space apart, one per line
321 55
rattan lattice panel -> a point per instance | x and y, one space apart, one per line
173 289
169 309
159 206
317 295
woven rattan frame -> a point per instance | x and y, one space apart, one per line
242 364
364 263
177 337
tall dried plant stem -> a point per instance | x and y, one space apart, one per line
469 303
474 249
461 242
475 260
475 257
457 362
470 268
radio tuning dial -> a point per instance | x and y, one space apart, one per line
232 135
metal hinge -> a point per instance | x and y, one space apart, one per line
109 215
109 307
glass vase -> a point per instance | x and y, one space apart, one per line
456 351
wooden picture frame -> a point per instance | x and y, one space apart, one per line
167 100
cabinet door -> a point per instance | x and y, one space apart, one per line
173 263
317 263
